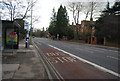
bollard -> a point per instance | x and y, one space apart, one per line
26 43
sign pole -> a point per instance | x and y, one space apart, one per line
31 24
26 26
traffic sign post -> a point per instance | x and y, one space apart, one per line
26 26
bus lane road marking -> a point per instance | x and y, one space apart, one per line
60 58
91 63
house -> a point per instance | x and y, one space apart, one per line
86 31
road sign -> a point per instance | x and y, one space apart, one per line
31 29
26 25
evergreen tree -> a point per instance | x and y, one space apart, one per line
61 27
52 25
109 22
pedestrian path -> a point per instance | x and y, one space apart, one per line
22 63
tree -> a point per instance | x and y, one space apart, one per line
75 8
39 33
70 34
108 24
87 8
59 23
16 8
22 31
52 25
61 27
92 9
114 10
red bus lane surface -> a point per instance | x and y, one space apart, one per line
69 67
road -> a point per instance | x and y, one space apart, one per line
79 61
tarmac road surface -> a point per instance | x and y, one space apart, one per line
78 61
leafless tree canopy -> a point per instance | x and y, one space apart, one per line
13 9
87 8
91 8
75 8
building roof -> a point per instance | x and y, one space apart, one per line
10 23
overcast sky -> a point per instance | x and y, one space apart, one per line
44 10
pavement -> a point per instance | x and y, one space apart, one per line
22 63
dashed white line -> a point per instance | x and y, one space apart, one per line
95 50
104 49
113 57
85 50
91 63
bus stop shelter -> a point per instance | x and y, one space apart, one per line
10 34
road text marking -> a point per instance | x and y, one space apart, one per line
59 57
91 63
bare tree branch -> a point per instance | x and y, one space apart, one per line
90 8
17 9
75 8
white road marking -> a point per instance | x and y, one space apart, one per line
113 51
116 51
85 50
52 60
71 59
95 50
60 59
53 54
104 49
57 54
64 59
113 57
48 54
52 67
91 63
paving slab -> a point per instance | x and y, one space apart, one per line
10 67
8 70
33 71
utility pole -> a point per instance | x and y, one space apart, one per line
91 20
1 43
31 22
